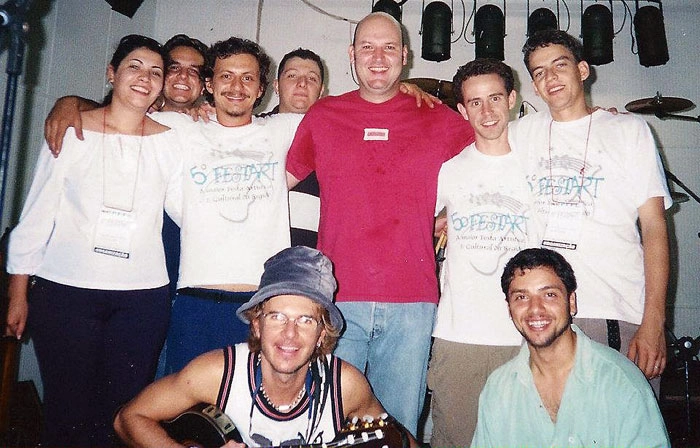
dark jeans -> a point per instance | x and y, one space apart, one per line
199 325
96 350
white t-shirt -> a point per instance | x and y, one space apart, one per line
489 218
235 209
93 216
590 193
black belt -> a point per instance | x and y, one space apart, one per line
614 334
218 295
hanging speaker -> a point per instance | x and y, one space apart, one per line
541 19
489 30
126 7
390 7
437 26
651 36
597 32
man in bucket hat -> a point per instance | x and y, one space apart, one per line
281 388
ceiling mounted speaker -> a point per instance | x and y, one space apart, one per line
597 32
489 31
651 36
126 7
437 27
390 7
541 19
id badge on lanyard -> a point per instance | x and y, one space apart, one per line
564 225
116 223
114 232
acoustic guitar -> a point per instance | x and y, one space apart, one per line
206 426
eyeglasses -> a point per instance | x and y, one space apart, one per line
278 319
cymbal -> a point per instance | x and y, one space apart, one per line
659 103
437 87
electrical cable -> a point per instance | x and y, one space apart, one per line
628 10
568 15
464 25
471 16
333 16
624 19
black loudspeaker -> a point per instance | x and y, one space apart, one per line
126 7
437 26
388 6
651 36
541 19
489 30
597 31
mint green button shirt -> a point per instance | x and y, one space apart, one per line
607 402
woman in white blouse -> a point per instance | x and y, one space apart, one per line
86 260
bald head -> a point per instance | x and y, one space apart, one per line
380 16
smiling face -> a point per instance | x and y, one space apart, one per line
299 85
139 78
287 349
486 106
558 80
235 85
540 306
183 84
378 56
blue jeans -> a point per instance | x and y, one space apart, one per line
390 344
198 325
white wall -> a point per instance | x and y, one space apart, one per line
77 38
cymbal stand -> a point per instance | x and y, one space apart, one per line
663 115
687 350
677 181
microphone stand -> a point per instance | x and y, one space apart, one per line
12 17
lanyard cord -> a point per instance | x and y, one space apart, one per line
582 171
104 161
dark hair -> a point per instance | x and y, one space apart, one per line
539 258
302 53
232 46
482 66
126 45
327 343
129 43
183 40
545 38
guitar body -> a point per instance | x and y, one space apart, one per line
206 426
203 426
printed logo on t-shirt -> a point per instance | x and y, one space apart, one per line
376 134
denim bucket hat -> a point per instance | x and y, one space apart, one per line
300 271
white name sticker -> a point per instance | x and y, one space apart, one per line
376 134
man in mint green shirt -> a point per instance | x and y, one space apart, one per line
562 389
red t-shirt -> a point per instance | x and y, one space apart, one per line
377 167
